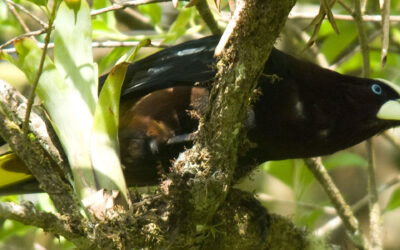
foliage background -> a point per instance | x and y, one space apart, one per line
284 187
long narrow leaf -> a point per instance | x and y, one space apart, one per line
74 60
104 139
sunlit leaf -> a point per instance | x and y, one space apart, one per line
78 96
341 42
345 159
104 139
112 57
11 228
394 201
153 11
283 170
293 173
109 17
39 2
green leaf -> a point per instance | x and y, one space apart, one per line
104 139
153 11
77 98
122 54
179 27
11 228
112 57
348 34
45 203
52 90
345 159
101 31
39 2
293 173
309 218
142 43
394 201
282 170
108 18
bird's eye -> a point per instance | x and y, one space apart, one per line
376 88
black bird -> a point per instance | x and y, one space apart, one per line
303 111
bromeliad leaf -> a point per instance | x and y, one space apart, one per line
78 95
104 139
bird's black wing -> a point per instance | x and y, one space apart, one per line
183 64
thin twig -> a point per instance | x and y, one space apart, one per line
350 222
118 6
366 18
385 38
92 13
102 44
205 13
28 214
19 18
344 57
346 7
138 16
364 6
335 222
304 36
392 139
32 33
362 36
375 213
324 12
27 12
25 126
135 14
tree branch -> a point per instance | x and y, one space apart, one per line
58 225
375 211
210 165
205 13
40 154
335 222
343 210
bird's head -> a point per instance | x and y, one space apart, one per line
388 95
313 111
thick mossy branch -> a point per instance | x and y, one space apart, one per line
56 224
250 37
32 152
203 175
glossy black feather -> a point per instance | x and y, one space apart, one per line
308 111
303 111
183 64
